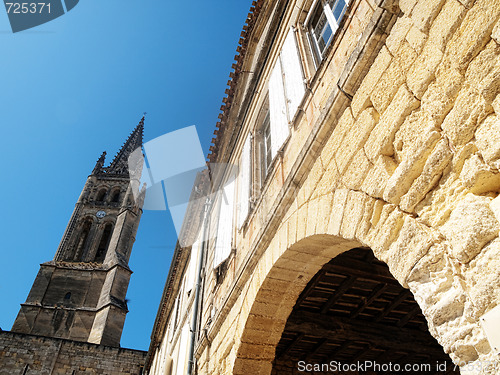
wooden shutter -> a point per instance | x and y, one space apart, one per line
191 271
244 183
277 108
292 71
225 226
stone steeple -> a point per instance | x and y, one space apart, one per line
80 294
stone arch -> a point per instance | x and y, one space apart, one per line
416 256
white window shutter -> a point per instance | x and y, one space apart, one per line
277 108
225 226
244 183
191 271
292 71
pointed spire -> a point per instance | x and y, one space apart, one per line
119 165
99 164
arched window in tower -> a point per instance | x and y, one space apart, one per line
100 195
115 198
83 239
103 243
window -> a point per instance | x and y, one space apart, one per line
103 244
223 242
100 195
116 196
323 22
267 156
244 182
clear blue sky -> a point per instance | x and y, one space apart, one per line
77 86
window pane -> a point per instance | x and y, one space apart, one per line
338 8
322 32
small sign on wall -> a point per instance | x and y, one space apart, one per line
491 325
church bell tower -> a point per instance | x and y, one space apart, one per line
80 294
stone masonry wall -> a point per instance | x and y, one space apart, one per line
27 354
411 170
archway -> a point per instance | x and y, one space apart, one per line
353 316
283 276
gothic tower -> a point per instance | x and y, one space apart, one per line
80 294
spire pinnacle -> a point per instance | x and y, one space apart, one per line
119 164
100 163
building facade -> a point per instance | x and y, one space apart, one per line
72 320
361 223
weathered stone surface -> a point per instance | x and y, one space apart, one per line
361 99
446 23
44 355
355 138
422 72
377 177
407 6
387 86
380 140
469 110
424 13
415 128
410 168
482 277
431 173
471 226
478 177
413 242
353 213
473 33
398 34
416 39
357 171
441 94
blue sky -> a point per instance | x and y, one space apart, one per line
77 86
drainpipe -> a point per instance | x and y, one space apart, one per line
194 320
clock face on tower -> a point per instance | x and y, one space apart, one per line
100 214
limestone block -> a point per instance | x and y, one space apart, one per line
353 213
365 222
361 99
423 70
344 125
495 34
378 175
483 64
416 39
413 242
406 6
446 23
483 278
387 87
469 110
357 171
381 139
415 127
473 34
495 207
441 94
398 34
471 225
496 105
406 56
433 168
424 13
442 298
410 168
355 138
388 227
339 201
478 177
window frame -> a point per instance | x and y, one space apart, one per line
327 10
